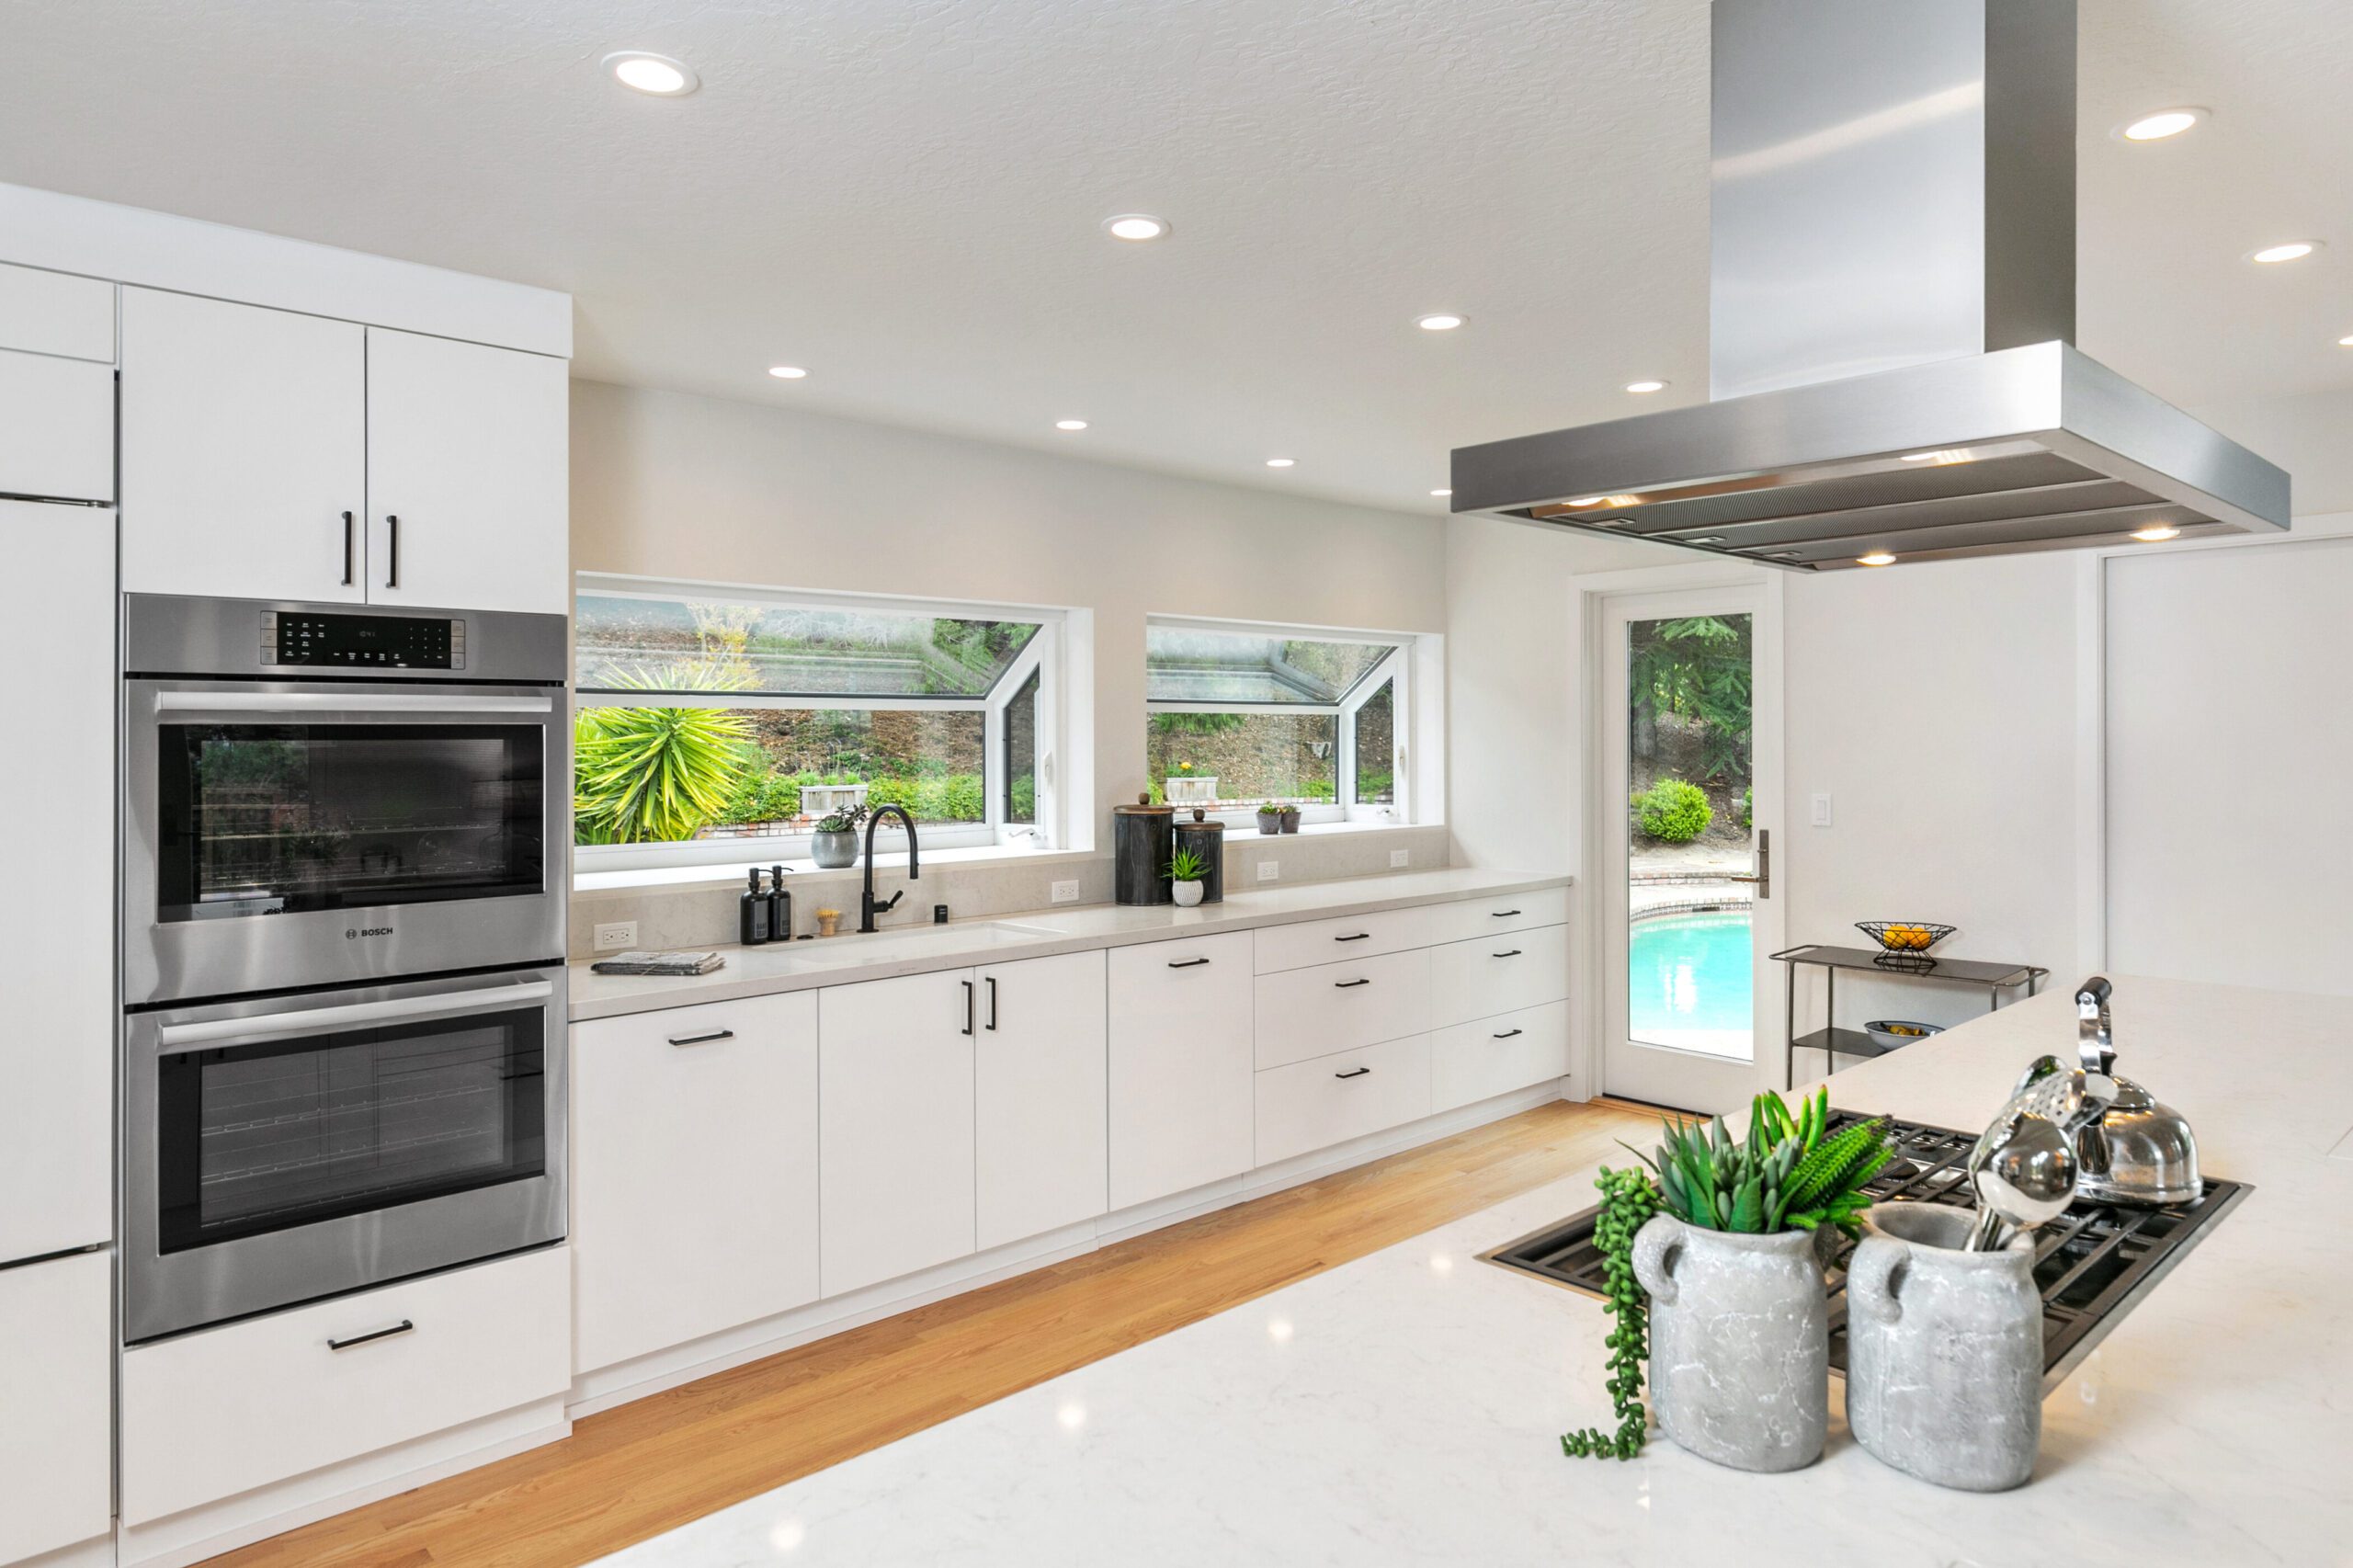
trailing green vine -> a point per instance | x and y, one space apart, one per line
1628 1199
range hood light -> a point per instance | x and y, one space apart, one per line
1706 538
1597 500
1876 558
2156 533
1941 459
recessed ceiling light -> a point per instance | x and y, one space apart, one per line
2294 250
1639 387
2156 533
2346 341
1442 322
1876 558
2158 126
787 372
1135 227
1069 424
656 73
1280 462
1441 493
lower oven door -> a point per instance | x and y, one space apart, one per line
278 1151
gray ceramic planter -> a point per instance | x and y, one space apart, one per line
1740 1342
834 850
1944 1377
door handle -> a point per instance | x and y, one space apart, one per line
968 1006
176 1037
1764 862
702 1039
392 567
1186 963
403 1326
346 549
1357 1073
992 1003
1349 985
1513 954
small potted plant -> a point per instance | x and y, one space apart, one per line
1187 788
1270 817
1290 816
834 841
1185 869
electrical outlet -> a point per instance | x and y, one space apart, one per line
1399 858
1822 808
1270 870
620 934
1065 892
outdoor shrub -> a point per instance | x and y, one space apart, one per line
1748 807
957 798
1674 812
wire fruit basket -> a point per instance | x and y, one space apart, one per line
1904 944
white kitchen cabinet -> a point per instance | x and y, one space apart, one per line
1348 936
211 1415
56 1403
1334 1007
894 1074
57 313
244 451
1498 974
467 475
1486 1057
56 428
1476 918
57 1036
1313 1104
694 1173
1181 1066
1038 1085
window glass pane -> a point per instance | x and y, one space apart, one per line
1251 757
1376 744
1221 667
1021 754
642 644
657 775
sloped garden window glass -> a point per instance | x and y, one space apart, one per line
1021 754
629 643
1186 665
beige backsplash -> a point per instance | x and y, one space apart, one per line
704 915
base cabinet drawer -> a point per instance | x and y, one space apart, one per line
56 1400
221 1412
1349 937
1476 917
1313 1104
1338 1007
1480 1060
1498 974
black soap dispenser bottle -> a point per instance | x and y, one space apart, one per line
752 925
779 907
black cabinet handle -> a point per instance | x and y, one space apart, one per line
968 1006
1357 1073
346 549
1503 913
992 1003
702 1039
1347 985
1513 954
1360 936
400 1328
392 572
1508 1033
1186 963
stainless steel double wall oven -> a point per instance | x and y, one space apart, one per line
344 836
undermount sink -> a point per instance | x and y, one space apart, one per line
991 932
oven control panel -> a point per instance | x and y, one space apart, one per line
371 641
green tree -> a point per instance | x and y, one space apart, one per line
1696 667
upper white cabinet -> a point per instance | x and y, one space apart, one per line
895 1126
1038 1089
56 312
1182 1065
267 454
467 475
244 451
56 428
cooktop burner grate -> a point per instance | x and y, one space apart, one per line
2092 1265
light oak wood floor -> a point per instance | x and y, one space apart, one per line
646 1467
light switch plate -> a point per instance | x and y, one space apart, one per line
613 937
1270 870
1822 808
1065 892
1398 858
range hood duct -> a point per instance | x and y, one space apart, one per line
1892 297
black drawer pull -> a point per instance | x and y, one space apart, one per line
1359 1072
1508 1033
1346 985
702 1039
400 1328
1501 913
1186 963
1513 954
1360 936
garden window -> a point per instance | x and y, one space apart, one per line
1240 716
720 724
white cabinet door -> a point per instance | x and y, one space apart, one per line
694 1173
57 1032
1037 1082
1313 1104
56 1403
1486 1057
467 475
1181 1066
244 451
56 428
894 1073
56 312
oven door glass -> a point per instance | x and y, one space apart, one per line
252 1139
276 818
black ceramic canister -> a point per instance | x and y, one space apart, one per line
1206 839
1139 849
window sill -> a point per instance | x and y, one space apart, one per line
732 875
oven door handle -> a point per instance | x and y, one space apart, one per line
198 1036
344 702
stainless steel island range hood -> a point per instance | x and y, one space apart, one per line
1891 296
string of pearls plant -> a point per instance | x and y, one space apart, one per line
1629 1198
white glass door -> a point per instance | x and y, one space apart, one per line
1686 858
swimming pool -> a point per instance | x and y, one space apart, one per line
1690 980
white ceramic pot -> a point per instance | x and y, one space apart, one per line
1187 894
1740 1342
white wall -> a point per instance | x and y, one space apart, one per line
667 484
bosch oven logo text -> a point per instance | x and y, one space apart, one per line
353 934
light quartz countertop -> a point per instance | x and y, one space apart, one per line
1404 1408
905 946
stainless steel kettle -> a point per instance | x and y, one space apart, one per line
2139 1151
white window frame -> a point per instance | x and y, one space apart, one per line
1395 665
1042 653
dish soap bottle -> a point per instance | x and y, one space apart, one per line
752 925
779 907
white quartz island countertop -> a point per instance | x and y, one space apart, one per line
1404 1408
905 946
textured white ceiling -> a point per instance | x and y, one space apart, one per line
904 195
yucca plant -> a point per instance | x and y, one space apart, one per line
655 775
1790 1173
